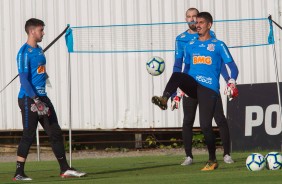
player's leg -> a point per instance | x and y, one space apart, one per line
207 99
185 82
189 110
53 130
222 124
30 122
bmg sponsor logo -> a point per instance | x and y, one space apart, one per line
41 69
202 60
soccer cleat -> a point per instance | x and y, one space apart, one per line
71 172
210 166
227 159
22 177
160 101
187 161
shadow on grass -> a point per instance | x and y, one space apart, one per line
89 176
86 178
134 169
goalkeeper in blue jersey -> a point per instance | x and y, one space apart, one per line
204 57
35 105
190 104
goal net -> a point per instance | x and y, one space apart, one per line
160 37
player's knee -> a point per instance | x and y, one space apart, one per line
24 146
27 140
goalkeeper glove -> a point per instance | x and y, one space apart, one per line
40 107
231 90
176 100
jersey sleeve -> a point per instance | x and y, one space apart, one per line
233 69
179 54
23 69
227 59
224 53
23 62
224 72
186 55
186 68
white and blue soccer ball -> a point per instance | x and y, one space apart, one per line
273 161
155 66
255 162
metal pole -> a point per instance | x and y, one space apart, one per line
278 85
277 78
271 40
70 117
37 144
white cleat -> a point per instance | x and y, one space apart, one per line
227 159
70 173
19 177
187 161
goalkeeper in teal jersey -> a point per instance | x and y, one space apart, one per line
190 104
204 58
35 105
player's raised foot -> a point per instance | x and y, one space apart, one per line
187 161
160 101
227 159
210 165
22 177
71 172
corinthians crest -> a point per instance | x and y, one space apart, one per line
210 47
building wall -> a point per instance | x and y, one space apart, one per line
113 90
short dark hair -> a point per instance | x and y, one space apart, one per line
193 9
206 15
33 22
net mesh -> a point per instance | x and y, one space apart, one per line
160 37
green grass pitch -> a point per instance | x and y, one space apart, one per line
143 170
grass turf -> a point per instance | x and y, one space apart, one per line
143 170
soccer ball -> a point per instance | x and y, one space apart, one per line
273 161
155 66
255 162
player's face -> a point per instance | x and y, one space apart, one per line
191 17
37 33
203 26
